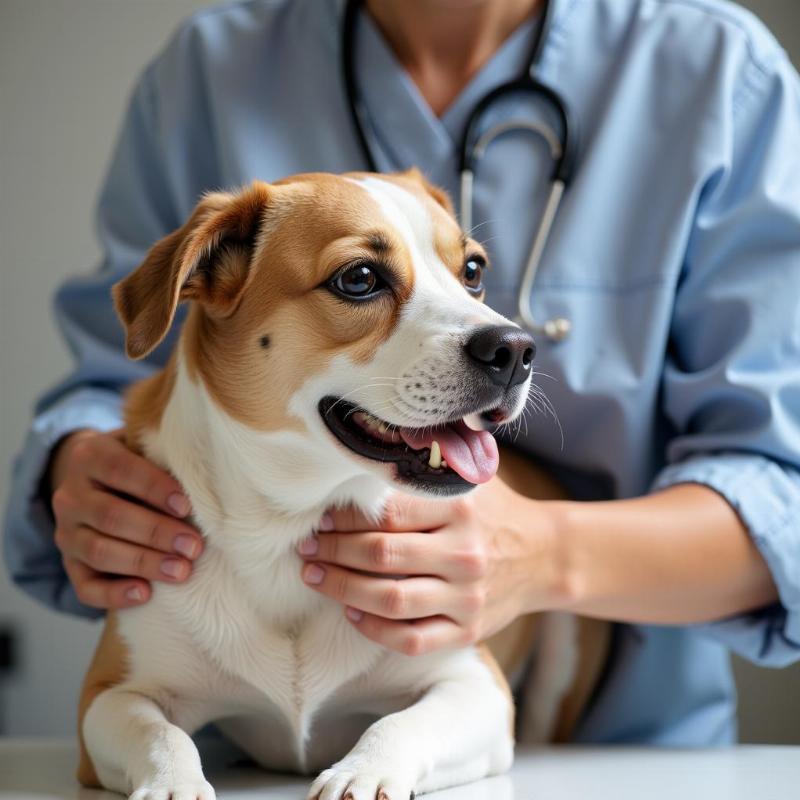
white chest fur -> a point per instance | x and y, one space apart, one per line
212 640
245 626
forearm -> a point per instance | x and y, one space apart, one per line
680 556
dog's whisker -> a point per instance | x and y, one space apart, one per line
479 225
536 393
363 387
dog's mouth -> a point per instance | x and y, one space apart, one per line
447 458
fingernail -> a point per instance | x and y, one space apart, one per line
179 504
172 567
308 547
353 614
326 523
135 593
313 574
186 545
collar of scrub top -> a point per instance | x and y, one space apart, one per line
562 144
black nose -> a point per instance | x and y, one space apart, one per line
504 353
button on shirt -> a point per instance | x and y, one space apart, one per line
676 255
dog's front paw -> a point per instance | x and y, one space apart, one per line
353 782
174 790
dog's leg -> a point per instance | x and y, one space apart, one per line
136 750
552 674
460 730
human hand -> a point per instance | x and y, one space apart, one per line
455 571
119 521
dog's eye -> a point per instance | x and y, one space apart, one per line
358 281
473 274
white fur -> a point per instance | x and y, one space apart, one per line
246 643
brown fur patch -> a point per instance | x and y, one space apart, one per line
439 195
523 476
108 668
486 656
512 646
287 300
146 401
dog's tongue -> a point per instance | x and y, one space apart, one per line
472 454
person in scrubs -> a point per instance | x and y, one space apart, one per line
675 256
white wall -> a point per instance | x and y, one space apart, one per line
66 67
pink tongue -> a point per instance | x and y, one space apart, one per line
472 454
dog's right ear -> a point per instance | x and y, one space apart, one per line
209 259
439 195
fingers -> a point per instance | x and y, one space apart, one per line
100 591
101 534
409 598
109 462
401 513
410 554
457 557
113 516
109 555
412 638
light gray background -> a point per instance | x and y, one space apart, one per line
66 68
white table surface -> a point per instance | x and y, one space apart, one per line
43 769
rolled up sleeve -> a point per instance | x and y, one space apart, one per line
766 496
731 386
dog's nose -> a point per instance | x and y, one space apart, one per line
504 353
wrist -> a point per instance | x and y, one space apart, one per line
56 467
565 584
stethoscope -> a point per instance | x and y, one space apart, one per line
562 148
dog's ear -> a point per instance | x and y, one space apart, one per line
208 260
439 195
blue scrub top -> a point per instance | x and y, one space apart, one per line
676 255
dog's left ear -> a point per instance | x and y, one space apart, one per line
208 260
439 195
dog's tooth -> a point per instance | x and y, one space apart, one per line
444 464
435 459
383 427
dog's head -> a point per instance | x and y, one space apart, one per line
347 311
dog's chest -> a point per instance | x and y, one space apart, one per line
280 642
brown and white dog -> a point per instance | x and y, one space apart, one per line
335 350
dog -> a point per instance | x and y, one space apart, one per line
335 350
